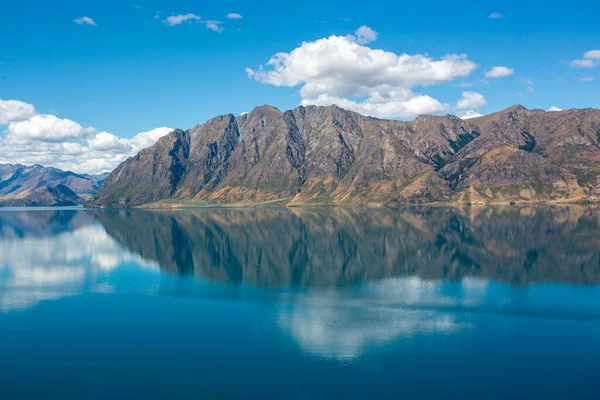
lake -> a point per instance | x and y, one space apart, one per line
301 303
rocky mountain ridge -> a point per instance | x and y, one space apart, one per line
36 185
328 155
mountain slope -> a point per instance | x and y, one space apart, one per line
328 155
39 186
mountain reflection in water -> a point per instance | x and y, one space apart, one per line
342 285
50 254
343 246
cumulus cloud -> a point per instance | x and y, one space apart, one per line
592 54
364 35
62 143
146 139
339 70
214 26
46 128
14 110
553 109
499 72
85 21
234 16
105 141
180 19
591 59
393 104
468 114
496 15
470 100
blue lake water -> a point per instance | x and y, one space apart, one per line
474 303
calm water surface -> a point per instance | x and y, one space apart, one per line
474 303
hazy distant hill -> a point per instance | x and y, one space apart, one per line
328 155
41 186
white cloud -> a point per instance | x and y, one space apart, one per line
470 100
46 128
105 141
553 109
583 63
529 83
85 21
591 59
468 114
586 79
214 25
234 16
364 35
180 18
499 72
147 139
403 103
14 110
62 143
338 70
592 55
496 15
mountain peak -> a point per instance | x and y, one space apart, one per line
265 108
516 107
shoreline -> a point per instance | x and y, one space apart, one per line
282 203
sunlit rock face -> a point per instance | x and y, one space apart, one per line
46 255
329 155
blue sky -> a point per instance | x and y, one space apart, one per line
132 72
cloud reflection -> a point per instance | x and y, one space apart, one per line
37 267
342 324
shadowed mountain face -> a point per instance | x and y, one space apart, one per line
40 186
337 247
328 155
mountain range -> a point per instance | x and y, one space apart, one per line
329 155
35 185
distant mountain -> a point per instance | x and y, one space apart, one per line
44 186
328 155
